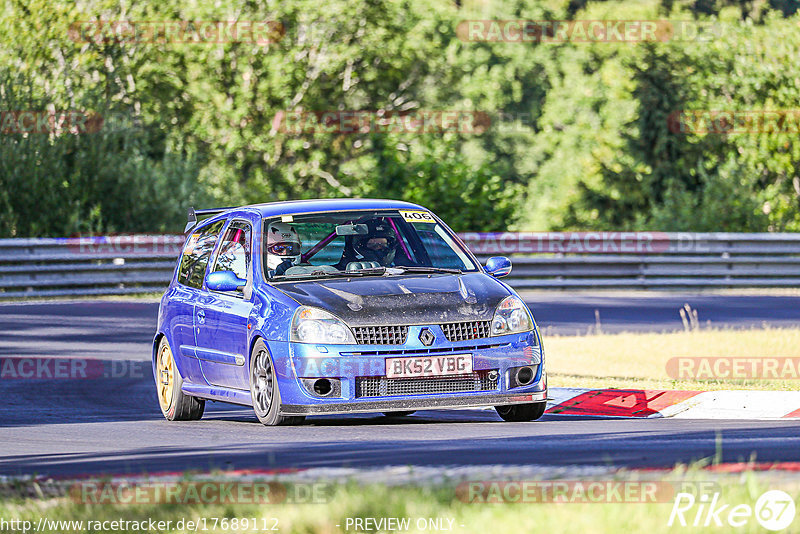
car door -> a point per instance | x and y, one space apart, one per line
223 317
183 297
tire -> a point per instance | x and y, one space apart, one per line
399 414
264 389
520 413
175 404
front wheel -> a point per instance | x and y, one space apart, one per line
175 404
264 389
519 413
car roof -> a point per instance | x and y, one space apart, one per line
293 207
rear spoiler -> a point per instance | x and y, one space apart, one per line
193 214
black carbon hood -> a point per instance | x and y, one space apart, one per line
402 300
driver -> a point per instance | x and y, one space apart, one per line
379 244
283 248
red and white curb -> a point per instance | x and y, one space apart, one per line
723 404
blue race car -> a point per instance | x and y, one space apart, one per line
341 306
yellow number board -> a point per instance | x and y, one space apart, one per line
417 216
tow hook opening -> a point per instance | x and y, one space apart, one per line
322 387
518 377
525 376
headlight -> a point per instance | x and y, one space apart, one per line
511 317
312 325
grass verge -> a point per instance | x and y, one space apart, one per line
441 507
639 360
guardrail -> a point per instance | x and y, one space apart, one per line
105 265
647 260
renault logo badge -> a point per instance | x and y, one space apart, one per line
427 337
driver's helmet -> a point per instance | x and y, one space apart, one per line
379 244
283 244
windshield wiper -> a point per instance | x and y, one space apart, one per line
421 269
327 274
377 271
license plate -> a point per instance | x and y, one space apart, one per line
420 366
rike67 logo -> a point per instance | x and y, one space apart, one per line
774 510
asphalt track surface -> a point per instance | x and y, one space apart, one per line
113 425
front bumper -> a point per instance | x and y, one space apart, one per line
414 403
351 364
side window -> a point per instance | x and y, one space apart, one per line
196 255
442 250
405 250
234 253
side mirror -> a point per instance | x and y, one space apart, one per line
498 266
224 281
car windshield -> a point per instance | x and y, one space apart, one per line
360 243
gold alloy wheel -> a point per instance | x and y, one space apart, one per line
166 377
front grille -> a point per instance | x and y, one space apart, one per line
424 350
379 386
467 330
380 335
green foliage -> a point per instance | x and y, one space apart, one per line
430 172
579 135
640 173
123 174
